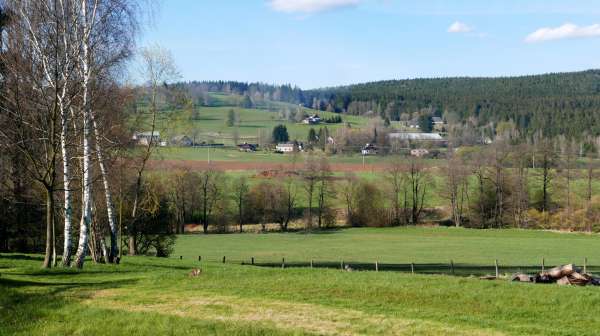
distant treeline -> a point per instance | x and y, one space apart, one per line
562 103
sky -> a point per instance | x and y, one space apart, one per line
320 43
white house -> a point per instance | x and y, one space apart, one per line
287 147
144 138
312 120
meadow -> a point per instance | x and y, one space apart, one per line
146 295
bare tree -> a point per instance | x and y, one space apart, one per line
324 190
240 195
456 176
418 181
398 191
158 69
211 191
310 177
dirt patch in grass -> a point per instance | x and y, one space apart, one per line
281 315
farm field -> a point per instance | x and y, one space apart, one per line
253 125
146 295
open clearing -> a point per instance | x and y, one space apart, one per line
146 295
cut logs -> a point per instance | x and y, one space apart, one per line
565 275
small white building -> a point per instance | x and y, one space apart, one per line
287 147
312 120
145 138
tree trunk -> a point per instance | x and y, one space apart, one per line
49 227
68 208
110 209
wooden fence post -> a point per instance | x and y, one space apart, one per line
412 268
311 263
342 265
496 266
452 266
282 262
584 265
199 258
376 266
223 259
252 260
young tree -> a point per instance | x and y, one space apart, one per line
396 179
456 177
211 192
418 180
425 123
240 195
324 190
310 176
230 118
280 134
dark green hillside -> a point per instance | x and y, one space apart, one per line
566 103
561 103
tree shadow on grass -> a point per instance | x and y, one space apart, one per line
22 257
25 303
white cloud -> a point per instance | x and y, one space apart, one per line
310 6
566 31
459 27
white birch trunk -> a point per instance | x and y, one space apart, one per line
110 209
86 217
68 208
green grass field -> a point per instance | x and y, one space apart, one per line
254 125
150 296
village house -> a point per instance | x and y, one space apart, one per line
145 138
369 149
312 120
438 123
246 147
287 147
414 123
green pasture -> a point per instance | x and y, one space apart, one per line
151 296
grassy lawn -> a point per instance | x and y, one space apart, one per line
150 296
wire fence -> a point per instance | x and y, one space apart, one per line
494 268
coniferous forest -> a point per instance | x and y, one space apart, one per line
553 104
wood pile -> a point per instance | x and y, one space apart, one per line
564 275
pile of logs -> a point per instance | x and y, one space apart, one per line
562 275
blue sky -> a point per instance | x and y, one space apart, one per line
316 43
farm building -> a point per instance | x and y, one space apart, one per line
182 141
287 147
438 123
312 120
369 149
410 136
145 138
246 147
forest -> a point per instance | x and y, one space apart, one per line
560 103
